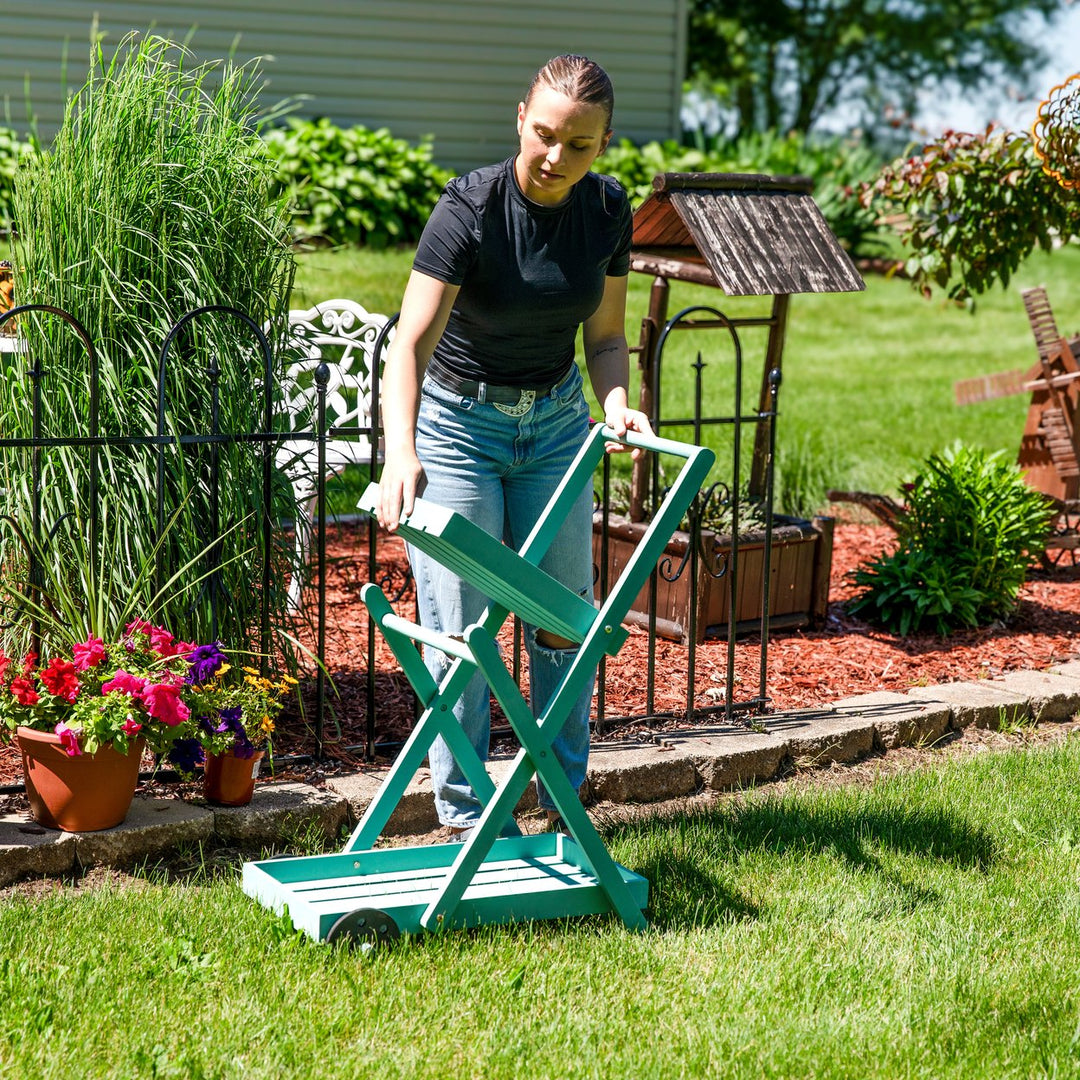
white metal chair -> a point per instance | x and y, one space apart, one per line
343 335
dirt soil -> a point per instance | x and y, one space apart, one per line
806 668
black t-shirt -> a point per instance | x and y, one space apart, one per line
529 274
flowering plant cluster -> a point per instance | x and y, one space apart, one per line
176 695
232 709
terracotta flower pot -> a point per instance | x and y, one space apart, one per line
85 793
229 780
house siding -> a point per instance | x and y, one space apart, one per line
451 70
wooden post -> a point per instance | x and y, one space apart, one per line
774 353
651 328
822 572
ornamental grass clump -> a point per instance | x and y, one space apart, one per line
155 198
966 539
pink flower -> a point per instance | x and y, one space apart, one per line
138 626
69 740
131 726
131 685
163 703
88 653
162 642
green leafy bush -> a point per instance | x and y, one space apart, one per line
965 543
13 151
972 208
354 185
837 166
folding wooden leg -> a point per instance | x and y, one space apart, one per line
437 719
537 758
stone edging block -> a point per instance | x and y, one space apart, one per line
1052 697
151 827
27 849
982 704
281 810
641 774
728 758
898 719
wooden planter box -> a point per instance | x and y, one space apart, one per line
798 585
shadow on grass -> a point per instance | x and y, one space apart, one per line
694 861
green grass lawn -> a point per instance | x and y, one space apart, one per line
923 925
868 377
867 391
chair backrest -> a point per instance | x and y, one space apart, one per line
341 334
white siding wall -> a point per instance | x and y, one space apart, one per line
455 70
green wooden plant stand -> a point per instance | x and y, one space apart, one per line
497 875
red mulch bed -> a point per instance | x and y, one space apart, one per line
806 668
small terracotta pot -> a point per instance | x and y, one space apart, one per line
229 780
85 793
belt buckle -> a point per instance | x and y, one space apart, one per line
521 407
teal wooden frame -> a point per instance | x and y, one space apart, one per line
488 878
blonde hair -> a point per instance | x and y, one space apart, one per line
580 79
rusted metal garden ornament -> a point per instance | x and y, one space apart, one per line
1056 133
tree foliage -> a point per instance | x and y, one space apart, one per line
783 63
971 208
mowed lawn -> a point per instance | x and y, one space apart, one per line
919 924
867 391
868 377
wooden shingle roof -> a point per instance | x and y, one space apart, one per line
750 235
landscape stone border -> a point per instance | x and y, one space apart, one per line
677 765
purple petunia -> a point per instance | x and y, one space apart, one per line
185 754
204 663
230 719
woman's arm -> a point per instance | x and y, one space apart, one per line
607 357
425 308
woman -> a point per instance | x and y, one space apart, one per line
483 410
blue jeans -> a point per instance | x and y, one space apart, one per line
500 471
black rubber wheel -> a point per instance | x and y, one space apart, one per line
364 928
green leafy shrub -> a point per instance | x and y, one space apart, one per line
13 151
837 166
965 543
973 207
354 185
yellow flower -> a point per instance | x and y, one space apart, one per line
288 680
250 670
267 725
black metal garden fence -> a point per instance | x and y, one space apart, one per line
697 564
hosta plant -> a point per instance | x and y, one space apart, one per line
965 541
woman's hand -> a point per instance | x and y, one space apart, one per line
622 419
401 481
424 311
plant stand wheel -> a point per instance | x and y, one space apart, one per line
364 927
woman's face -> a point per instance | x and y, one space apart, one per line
560 139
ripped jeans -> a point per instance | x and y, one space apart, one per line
499 471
